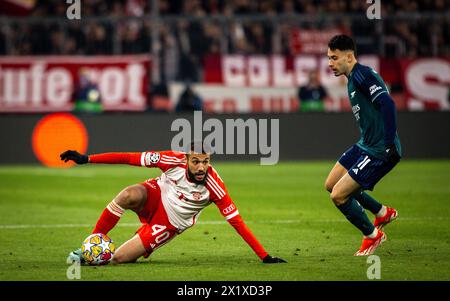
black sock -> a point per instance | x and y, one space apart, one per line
368 202
356 215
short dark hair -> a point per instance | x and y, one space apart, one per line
342 42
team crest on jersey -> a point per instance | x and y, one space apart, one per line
152 158
196 195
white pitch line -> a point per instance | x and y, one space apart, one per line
136 224
215 223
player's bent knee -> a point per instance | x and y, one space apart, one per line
337 198
122 199
328 186
129 198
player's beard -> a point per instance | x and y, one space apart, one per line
336 72
193 179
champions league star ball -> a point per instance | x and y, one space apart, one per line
98 249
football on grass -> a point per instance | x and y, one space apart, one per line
98 249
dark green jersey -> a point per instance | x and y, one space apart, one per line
364 88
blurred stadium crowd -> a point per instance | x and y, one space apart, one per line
181 34
219 26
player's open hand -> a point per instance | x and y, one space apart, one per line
74 156
270 259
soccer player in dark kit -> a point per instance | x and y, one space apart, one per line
374 155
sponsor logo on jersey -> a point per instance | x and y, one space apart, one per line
352 94
228 209
374 89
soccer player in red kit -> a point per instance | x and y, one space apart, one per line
169 204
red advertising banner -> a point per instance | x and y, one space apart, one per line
270 80
311 41
426 82
417 84
48 83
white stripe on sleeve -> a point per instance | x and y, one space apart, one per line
232 215
143 158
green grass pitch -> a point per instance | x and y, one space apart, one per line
45 213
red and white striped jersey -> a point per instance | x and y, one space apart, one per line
183 199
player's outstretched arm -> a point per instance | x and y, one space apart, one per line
106 158
220 196
239 225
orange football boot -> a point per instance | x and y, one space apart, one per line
380 222
369 245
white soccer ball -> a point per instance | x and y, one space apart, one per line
98 249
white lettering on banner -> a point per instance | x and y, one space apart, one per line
112 86
258 68
37 76
14 86
260 71
135 73
281 76
310 41
47 83
233 70
417 76
302 66
59 87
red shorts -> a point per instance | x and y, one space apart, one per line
156 229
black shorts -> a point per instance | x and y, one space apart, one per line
364 168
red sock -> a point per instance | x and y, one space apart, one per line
109 218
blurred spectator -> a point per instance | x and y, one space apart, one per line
189 101
159 97
188 67
169 55
192 39
259 37
97 41
56 41
312 96
134 39
75 33
87 95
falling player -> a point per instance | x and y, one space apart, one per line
168 204
374 155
